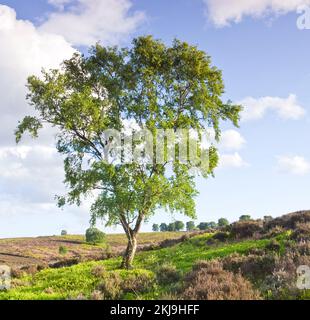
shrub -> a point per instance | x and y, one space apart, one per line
245 229
252 266
221 236
117 283
274 245
62 250
64 232
302 232
94 236
289 221
138 281
110 286
273 232
167 274
98 271
209 281
17 273
96 295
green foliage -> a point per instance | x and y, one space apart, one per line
207 225
163 227
179 225
30 124
202 226
155 227
190 225
167 274
172 227
223 222
94 236
62 250
158 87
64 232
245 217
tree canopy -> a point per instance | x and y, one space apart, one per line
151 84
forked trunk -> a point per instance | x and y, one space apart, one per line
130 252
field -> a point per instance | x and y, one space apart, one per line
237 263
42 252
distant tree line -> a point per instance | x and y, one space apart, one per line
203 226
189 226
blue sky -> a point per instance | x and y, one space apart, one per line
265 164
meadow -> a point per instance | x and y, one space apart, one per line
240 262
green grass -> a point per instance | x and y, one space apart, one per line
69 282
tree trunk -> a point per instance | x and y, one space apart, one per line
130 252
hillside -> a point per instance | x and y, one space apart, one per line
30 254
247 260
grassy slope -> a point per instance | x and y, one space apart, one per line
36 251
72 281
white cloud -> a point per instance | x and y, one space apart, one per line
286 108
84 22
59 4
232 161
31 173
296 165
224 12
231 140
24 51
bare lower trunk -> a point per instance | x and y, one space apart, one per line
130 252
132 239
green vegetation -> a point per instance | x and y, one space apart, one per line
96 279
94 236
190 226
223 222
63 250
155 227
245 217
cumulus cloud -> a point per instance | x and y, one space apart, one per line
84 22
24 51
32 172
232 140
232 161
285 108
225 12
296 165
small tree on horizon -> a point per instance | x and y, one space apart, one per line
155 227
171 227
245 217
190 225
179 225
151 84
163 227
223 222
202 226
